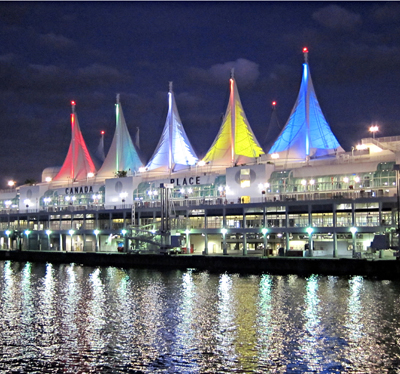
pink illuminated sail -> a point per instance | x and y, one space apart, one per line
78 163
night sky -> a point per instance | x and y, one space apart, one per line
55 52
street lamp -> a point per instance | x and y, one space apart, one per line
8 232
27 232
264 232
96 233
11 183
309 232
373 129
224 249
71 232
353 235
48 232
187 232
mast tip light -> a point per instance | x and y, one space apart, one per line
102 132
73 102
273 103
305 50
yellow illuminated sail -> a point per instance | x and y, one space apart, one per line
235 139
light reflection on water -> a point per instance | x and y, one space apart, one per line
75 319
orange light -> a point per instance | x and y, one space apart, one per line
305 50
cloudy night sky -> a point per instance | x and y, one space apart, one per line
55 52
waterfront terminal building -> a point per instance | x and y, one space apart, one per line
306 196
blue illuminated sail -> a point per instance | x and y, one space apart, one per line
306 133
122 155
174 150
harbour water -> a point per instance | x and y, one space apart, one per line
80 319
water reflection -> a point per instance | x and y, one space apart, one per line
70 318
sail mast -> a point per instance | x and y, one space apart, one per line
307 102
233 116
73 140
170 126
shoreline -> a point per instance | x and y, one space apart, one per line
382 269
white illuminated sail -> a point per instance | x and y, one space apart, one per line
173 151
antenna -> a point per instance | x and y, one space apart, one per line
305 52
117 98
232 73
73 106
170 86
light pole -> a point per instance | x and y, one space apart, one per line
265 232
123 232
224 249
310 243
353 236
187 232
373 129
96 233
8 232
71 232
48 232
27 232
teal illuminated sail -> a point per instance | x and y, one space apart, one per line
173 151
122 155
306 133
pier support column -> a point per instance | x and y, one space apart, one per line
205 252
244 244
334 245
287 241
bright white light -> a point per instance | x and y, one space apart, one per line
353 230
182 190
201 163
90 175
356 179
346 180
360 147
48 179
48 232
71 232
224 231
190 190
309 230
142 169
266 185
275 155
312 181
123 195
8 203
27 202
220 188
67 198
260 186
303 182
11 183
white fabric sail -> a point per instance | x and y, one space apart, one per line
173 151
78 163
306 133
235 141
122 155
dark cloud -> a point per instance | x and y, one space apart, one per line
337 18
387 13
246 72
56 41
